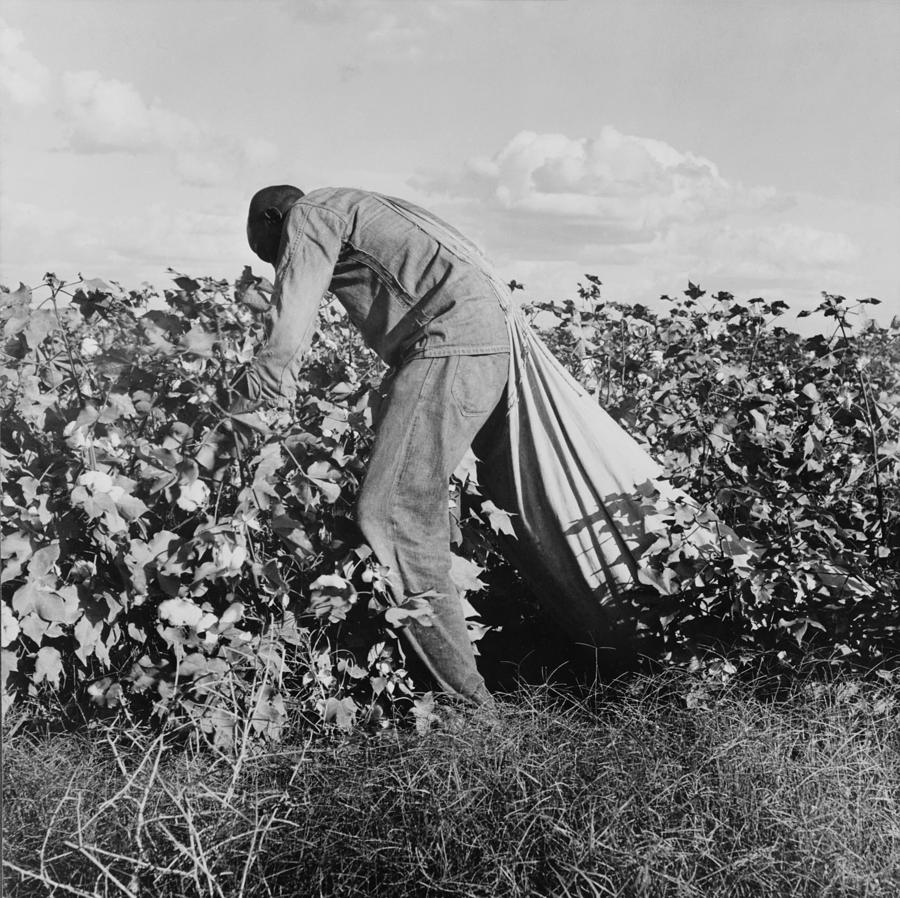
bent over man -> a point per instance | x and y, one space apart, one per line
427 302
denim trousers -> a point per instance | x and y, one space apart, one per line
432 411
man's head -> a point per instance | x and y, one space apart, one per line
266 217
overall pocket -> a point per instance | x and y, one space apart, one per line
478 382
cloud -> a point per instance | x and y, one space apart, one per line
23 78
637 211
612 187
643 215
127 247
104 115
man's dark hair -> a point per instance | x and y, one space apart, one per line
280 197
266 216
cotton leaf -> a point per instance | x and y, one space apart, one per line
15 550
656 523
48 666
341 712
9 662
811 392
26 597
198 341
105 692
332 596
498 519
663 582
253 421
255 298
464 574
95 285
323 470
87 635
759 420
57 607
330 491
118 405
40 324
424 713
269 713
293 533
188 284
467 470
43 560
232 614
9 626
130 507
413 608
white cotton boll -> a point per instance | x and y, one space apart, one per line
328 580
90 347
181 612
192 495
184 613
75 436
96 481
230 557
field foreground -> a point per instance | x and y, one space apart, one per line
659 786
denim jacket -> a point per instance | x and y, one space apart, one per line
413 285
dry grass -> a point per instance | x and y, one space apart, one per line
658 788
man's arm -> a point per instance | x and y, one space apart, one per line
312 240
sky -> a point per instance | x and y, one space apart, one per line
752 146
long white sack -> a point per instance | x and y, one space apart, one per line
577 485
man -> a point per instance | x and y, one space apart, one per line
426 300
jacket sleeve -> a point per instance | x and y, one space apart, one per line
311 243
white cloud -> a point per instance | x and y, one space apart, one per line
613 187
640 213
23 77
107 115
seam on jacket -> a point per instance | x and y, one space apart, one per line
384 276
307 204
409 216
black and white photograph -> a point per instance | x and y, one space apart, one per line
450 448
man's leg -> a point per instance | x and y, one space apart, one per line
434 410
